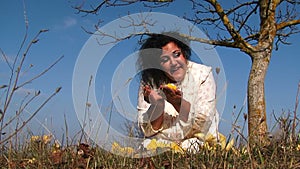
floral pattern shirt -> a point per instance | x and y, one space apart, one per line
198 88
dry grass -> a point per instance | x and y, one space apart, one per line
283 151
42 153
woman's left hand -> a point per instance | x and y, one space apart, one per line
175 98
172 96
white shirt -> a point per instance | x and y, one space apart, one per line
199 89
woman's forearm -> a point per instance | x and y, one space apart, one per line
156 113
184 110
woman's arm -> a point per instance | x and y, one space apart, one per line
181 105
156 114
151 107
184 110
205 104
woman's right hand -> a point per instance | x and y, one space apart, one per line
153 96
156 109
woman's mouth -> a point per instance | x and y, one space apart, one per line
173 70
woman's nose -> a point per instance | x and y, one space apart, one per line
172 61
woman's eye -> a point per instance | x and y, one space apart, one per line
164 59
176 54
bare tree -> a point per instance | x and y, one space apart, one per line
255 27
10 114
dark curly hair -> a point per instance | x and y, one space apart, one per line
149 56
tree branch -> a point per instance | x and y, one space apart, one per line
40 74
33 114
95 10
238 40
224 43
285 24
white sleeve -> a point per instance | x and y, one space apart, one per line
144 118
204 105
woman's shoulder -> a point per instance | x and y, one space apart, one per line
199 68
198 72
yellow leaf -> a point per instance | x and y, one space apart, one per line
210 141
298 147
176 148
171 86
116 148
154 144
31 161
35 138
229 145
47 138
200 136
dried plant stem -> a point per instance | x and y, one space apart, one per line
30 118
295 113
86 111
40 74
16 68
14 79
21 109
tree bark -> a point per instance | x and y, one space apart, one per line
257 120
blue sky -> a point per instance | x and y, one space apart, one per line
66 37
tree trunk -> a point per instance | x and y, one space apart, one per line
257 123
261 55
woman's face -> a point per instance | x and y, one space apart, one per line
173 62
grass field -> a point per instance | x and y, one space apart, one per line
45 152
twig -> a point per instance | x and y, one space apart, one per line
295 113
33 114
87 105
40 74
18 112
13 82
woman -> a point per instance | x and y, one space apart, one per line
168 113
